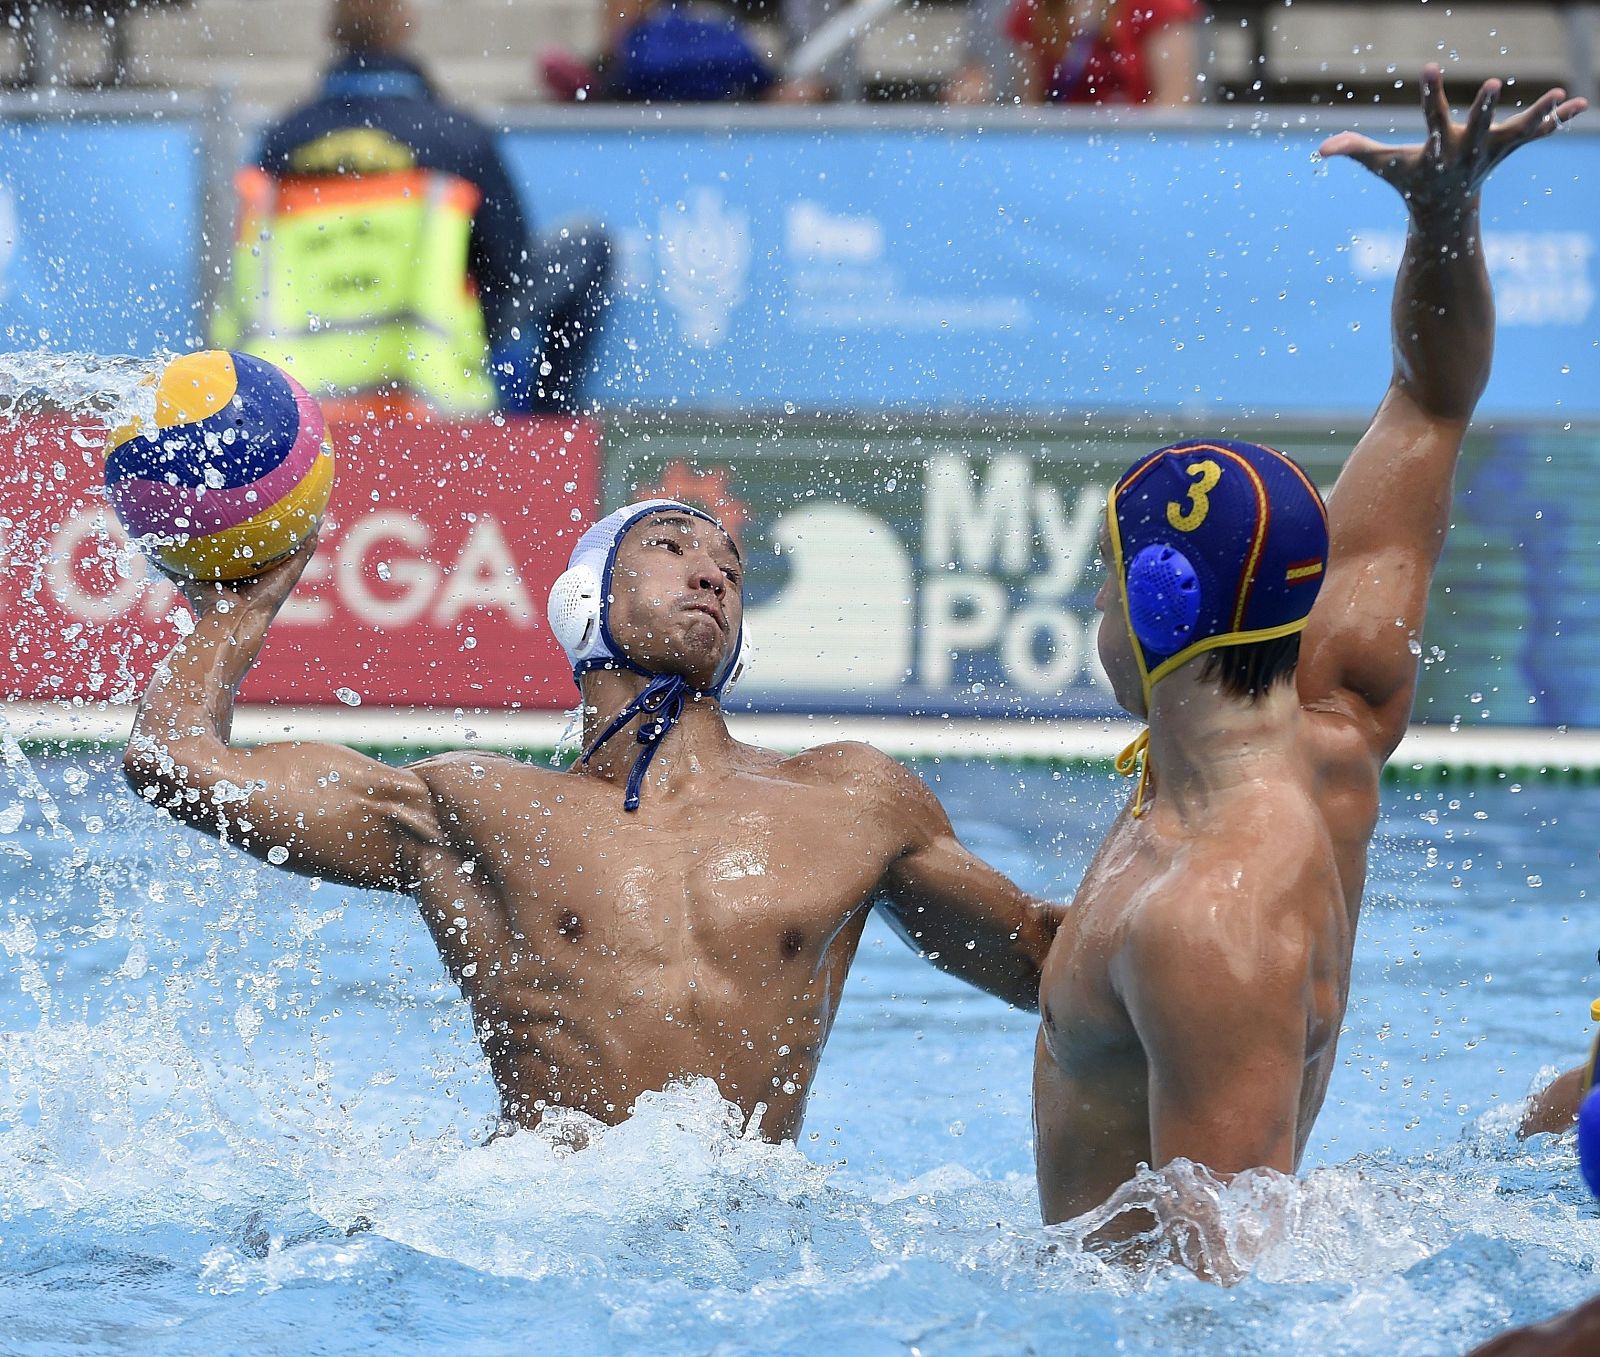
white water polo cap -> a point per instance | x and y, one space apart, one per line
580 618
580 599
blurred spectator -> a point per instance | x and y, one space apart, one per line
665 51
987 72
385 261
1103 51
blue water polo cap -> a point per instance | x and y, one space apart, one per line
580 618
1216 543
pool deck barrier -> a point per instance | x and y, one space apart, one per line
1426 752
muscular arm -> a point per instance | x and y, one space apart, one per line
1224 1032
316 809
1223 1029
1573 1334
959 912
1390 509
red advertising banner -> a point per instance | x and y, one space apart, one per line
428 587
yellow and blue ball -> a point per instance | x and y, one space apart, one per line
235 474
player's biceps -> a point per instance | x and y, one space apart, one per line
1236 1123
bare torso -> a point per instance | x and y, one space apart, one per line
708 933
1281 855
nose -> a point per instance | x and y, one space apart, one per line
704 573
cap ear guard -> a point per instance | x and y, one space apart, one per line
574 611
1163 599
741 662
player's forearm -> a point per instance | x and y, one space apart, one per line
186 718
1443 315
1001 955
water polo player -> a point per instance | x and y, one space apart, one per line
1192 1000
680 904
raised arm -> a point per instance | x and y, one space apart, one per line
315 809
956 910
1390 509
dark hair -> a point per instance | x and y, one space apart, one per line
367 27
1248 671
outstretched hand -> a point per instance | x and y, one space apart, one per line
1446 171
269 589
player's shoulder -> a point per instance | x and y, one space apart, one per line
854 763
1253 900
471 773
873 785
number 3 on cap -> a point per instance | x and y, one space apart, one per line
1206 475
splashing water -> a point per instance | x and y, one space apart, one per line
240 1109
114 389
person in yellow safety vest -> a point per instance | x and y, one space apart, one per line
360 284
382 243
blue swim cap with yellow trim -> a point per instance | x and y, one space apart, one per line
1216 543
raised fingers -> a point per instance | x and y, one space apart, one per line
1560 112
1527 124
1435 103
1481 116
1382 160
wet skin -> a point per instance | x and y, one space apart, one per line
603 952
1190 1006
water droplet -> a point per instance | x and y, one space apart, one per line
277 855
349 696
1414 646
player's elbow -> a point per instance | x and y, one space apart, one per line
146 768
164 775
1031 946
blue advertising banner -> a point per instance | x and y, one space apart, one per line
1112 271
99 234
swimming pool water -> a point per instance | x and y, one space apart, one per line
243 1113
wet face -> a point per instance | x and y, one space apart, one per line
1114 641
676 596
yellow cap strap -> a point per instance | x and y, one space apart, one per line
1136 759
1594 1050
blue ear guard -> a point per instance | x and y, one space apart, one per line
1589 1140
1589 1116
1163 599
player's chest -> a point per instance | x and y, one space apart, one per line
733 875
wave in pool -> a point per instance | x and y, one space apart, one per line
138 1213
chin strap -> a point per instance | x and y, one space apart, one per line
1594 1050
660 706
1136 759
